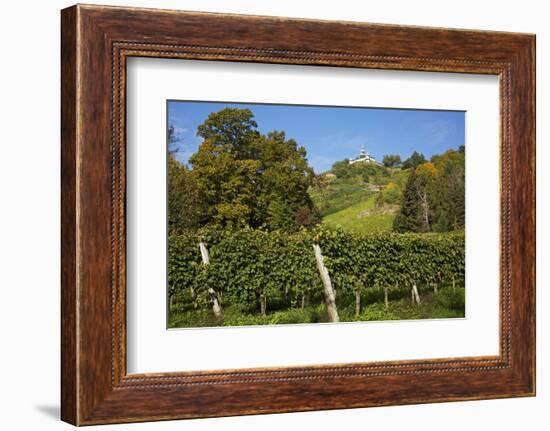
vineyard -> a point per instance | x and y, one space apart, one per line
258 235
223 277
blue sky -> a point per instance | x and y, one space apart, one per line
330 134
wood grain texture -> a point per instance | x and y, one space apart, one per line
69 397
96 41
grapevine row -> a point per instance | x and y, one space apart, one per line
257 269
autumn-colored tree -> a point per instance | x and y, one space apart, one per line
250 179
227 185
434 196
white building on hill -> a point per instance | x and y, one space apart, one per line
363 157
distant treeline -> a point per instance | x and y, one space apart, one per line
240 178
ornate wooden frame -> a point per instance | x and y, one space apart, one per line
95 43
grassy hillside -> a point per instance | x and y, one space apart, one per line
363 217
353 203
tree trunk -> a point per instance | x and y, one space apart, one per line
213 295
171 302
386 302
306 297
192 292
415 295
423 196
329 291
435 287
454 287
357 302
425 211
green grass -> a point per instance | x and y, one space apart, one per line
340 194
362 217
443 305
233 316
350 203
399 176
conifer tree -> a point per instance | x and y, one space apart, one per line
409 217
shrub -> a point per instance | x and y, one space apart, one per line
378 311
454 300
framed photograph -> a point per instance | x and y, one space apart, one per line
264 215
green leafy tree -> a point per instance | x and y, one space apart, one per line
185 204
227 185
425 185
414 161
250 179
368 172
434 196
408 218
449 196
232 131
341 169
286 177
391 160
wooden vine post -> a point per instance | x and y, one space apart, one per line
357 301
263 304
213 295
305 296
329 291
414 295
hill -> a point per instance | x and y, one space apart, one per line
358 202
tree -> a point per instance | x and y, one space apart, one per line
285 180
413 161
321 183
185 206
173 140
407 220
226 184
424 186
231 130
449 199
250 179
368 172
341 169
434 196
391 160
